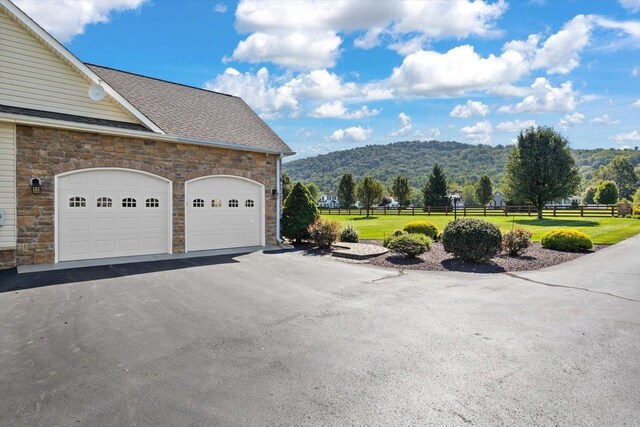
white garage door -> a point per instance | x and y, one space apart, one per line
111 213
223 212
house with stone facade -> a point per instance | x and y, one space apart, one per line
97 163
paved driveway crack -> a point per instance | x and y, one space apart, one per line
400 273
570 287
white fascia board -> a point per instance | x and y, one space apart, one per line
107 130
71 58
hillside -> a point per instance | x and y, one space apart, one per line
414 159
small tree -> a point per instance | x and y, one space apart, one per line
469 195
370 192
607 193
484 190
589 195
285 183
435 190
299 211
416 197
540 168
314 190
401 190
347 191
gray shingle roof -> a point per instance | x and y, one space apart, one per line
190 112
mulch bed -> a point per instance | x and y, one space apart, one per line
437 259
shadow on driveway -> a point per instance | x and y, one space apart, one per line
10 280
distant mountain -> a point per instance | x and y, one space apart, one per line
414 159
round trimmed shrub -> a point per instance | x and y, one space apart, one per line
422 227
349 234
472 239
410 245
567 239
324 232
394 233
516 241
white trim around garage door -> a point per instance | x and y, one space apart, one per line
75 171
262 204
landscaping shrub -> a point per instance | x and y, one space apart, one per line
324 232
299 211
422 227
515 242
349 234
566 239
410 245
472 239
394 233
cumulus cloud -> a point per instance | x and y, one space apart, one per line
515 126
560 53
545 98
626 136
471 108
632 5
404 125
220 8
338 110
570 120
281 31
352 134
65 19
604 120
430 73
636 104
480 133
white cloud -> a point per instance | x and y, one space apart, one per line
632 28
604 120
626 136
256 90
571 120
220 8
636 104
427 134
65 19
544 98
353 134
322 84
560 53
295 50
430 73
515 126
471 108
305 33
338 110
404 125
635 71
632 5
480 133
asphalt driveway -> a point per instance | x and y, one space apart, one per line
287 339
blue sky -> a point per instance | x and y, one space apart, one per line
333 75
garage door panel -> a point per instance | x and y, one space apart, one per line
100 226
222 226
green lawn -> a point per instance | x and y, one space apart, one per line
601 230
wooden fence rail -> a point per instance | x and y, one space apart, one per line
582 211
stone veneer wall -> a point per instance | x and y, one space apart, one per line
45 152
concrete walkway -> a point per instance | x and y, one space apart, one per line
288 339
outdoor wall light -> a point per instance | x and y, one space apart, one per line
35 186
274 192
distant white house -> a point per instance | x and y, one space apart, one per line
568 201
328 201
456 195
499 199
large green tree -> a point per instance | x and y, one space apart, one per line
540 168
370 191
299 211
484 190
347 191
400 190
435 190
619 170
607 193
313 190
285 185
469 195
589 196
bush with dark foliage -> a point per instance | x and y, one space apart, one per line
472 239
566 239
324 232
516 241
349 234
299 211
410 245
